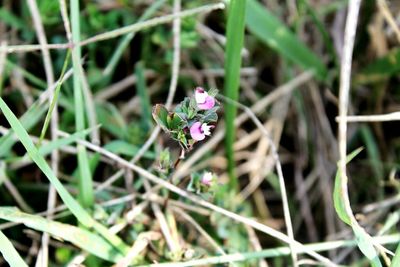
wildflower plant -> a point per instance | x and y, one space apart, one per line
191 121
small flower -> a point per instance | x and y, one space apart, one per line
207 178
203 100
199 131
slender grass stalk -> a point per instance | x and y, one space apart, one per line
86 195
9 253
233 60
54 100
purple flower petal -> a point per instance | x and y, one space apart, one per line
196 133
209 103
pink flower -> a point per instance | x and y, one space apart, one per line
203 100
199 131
207 178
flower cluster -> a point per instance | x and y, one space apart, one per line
192 120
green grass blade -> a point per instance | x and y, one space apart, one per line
396 258
270 30
233 61
126 39
30 118
79 237
86 192
338 201
9 253
75 208
54 100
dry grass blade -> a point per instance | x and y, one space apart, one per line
394 116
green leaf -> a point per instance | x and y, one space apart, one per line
9 253
174 122
270 30
211 115
79 237
343 209
160 115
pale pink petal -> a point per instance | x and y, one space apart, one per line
196 132
209 103
200 95
207 178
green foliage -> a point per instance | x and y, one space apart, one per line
79 237
233 62
178 124
265 26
